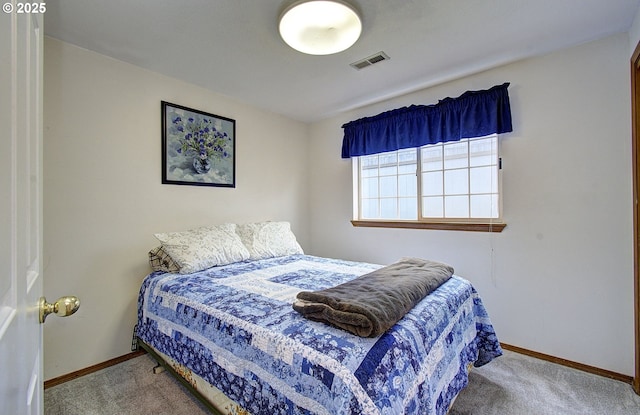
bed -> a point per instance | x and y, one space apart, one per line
230 332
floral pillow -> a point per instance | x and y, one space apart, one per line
268 239
202 248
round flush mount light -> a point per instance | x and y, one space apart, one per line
320 27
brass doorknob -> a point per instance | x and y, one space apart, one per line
64 306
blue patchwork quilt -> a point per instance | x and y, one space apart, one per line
235 327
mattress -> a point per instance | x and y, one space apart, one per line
234 329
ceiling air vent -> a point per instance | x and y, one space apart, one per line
363 63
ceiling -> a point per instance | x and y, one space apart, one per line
233 47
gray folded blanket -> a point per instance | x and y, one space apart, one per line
370 304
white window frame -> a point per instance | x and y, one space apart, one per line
489 224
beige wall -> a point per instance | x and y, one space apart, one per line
558 279
634 33
103 199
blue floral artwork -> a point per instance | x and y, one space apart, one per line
198 148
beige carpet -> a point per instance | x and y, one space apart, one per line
521 385
512 384
130 387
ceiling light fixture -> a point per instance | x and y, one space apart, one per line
320 27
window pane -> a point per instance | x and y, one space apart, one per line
388 158
407 161
456 155
389 186
407 185
369 161
432 207
388 208
407 168
483 152
431 158
484 206
369 172
388 170
484 179
408 208
370 209
456 206
432 183
456 182
370 187
407 156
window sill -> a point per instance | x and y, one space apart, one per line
443 226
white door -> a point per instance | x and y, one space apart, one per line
21 40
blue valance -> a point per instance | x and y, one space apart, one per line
472 114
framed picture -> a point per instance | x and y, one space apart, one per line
198 148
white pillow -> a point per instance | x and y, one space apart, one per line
268 239
202 248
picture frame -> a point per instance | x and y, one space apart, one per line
198 148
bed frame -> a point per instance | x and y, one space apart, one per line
169 368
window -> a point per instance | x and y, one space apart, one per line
388 184
454 182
